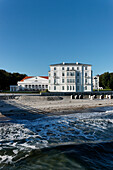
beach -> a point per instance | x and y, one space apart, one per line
44 105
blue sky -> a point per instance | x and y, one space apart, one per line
37 33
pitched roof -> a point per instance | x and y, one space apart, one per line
70 64
45 77
27 77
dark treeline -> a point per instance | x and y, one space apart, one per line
106 80
7 79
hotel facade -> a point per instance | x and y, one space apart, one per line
32 83
70 77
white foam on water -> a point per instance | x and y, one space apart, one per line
25 135
15 151
6 159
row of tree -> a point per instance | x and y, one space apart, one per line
7 79
106 80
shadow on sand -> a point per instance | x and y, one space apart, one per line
15 112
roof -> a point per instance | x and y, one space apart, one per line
28 77
45 77
70 64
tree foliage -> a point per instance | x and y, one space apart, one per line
106 80
7 79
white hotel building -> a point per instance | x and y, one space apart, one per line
32 83
70 77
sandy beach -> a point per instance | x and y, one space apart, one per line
31 107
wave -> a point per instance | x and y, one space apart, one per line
67 156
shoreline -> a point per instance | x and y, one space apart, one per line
33 107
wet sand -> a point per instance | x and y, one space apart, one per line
32 107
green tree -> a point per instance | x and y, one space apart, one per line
7 79
106 80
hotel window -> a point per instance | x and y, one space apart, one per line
32 86
54 68
62 80
77 88
43 86
77 68
67 87
78 74
86 81
49 81
62 87
62 68
77 80
85 74
46 86
54 74
54 87
73 88
49 88
36 86
72 74
71 80
26 86
67 68
85 87
67 80
54 81
63 74
67 73
70 88
39 86
72 68
29 86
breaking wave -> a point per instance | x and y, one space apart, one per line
74 141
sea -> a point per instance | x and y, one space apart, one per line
81 141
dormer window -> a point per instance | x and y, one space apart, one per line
85 68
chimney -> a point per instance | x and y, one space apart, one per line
77 63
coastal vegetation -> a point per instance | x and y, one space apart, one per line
106 80
7 79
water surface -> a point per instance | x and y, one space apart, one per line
74 141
